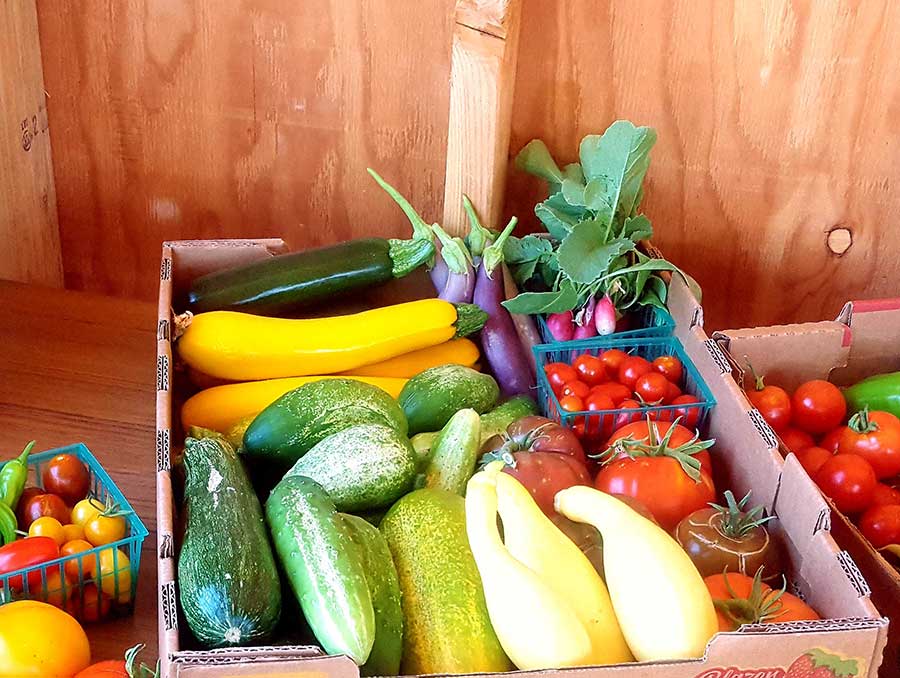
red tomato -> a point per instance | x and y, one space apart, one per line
773 403
614 390
576 388
830 440
670 367
599 425
559 374
43 505
545 473
795 440
689 415
25 553
793 609
874 436
571 403
612 361
849 480
625 417
881 525
640 431
672 393
590 369
631 368
812 459
736 586
652 387
817 407
67 477
660 484
885 494
111 668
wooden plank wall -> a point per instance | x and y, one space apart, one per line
779 124
28 229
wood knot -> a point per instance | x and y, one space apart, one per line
839 240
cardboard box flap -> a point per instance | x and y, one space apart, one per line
270 663
874 339
683 306
800 506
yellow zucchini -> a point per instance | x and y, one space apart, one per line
245 347
220 407
456 351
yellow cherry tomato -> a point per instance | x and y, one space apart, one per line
113 574
37 639
57 590
46 526
72 532
85 510
101 529
88 564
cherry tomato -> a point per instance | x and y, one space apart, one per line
849 480
89 605
874 436
24 553
73 571
28 494
85 510
72 532
830 440
817 407
616 391
576 388
66 476
571 403
670 367
626 417
652 387
689 415
773 403
881 525
46 526
612 361
56 592
43 505
795 440
590 368
631 368
599 425
885 494
812 459
672 393
113 571
101 529
559 374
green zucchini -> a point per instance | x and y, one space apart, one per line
446 625
381 576
362 467
290 427
323 566
290 281
431 397
454 453
228 583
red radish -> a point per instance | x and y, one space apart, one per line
605 316
584 321
561 325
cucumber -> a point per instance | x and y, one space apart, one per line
422 444
446 625
228 583
362 467
454 453
290 281
496 421
381 576
323 566
290 427
431 397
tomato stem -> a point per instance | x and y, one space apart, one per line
735 521
758 378
860 422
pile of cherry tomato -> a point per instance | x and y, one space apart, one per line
61 520
618 385
854 460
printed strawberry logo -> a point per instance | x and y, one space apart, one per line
819 664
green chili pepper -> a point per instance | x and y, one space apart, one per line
13 477
881 392
8 524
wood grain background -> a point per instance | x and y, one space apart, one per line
778 121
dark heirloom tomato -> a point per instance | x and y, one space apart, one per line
728 536
67 477
42 505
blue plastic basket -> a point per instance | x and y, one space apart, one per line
44 581
649 320
598 423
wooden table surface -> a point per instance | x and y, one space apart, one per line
80 368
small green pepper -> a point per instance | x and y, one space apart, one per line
13 477
8 524
881 392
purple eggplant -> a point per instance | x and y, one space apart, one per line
500 342
439 272
584 321
460 283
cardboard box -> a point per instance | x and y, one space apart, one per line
819 571
862 341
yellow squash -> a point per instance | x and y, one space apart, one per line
456 351
220 407
662 604
244 347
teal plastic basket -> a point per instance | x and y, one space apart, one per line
597 424
649 321
44 582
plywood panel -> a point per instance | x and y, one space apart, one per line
778 122
198 118
28 228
